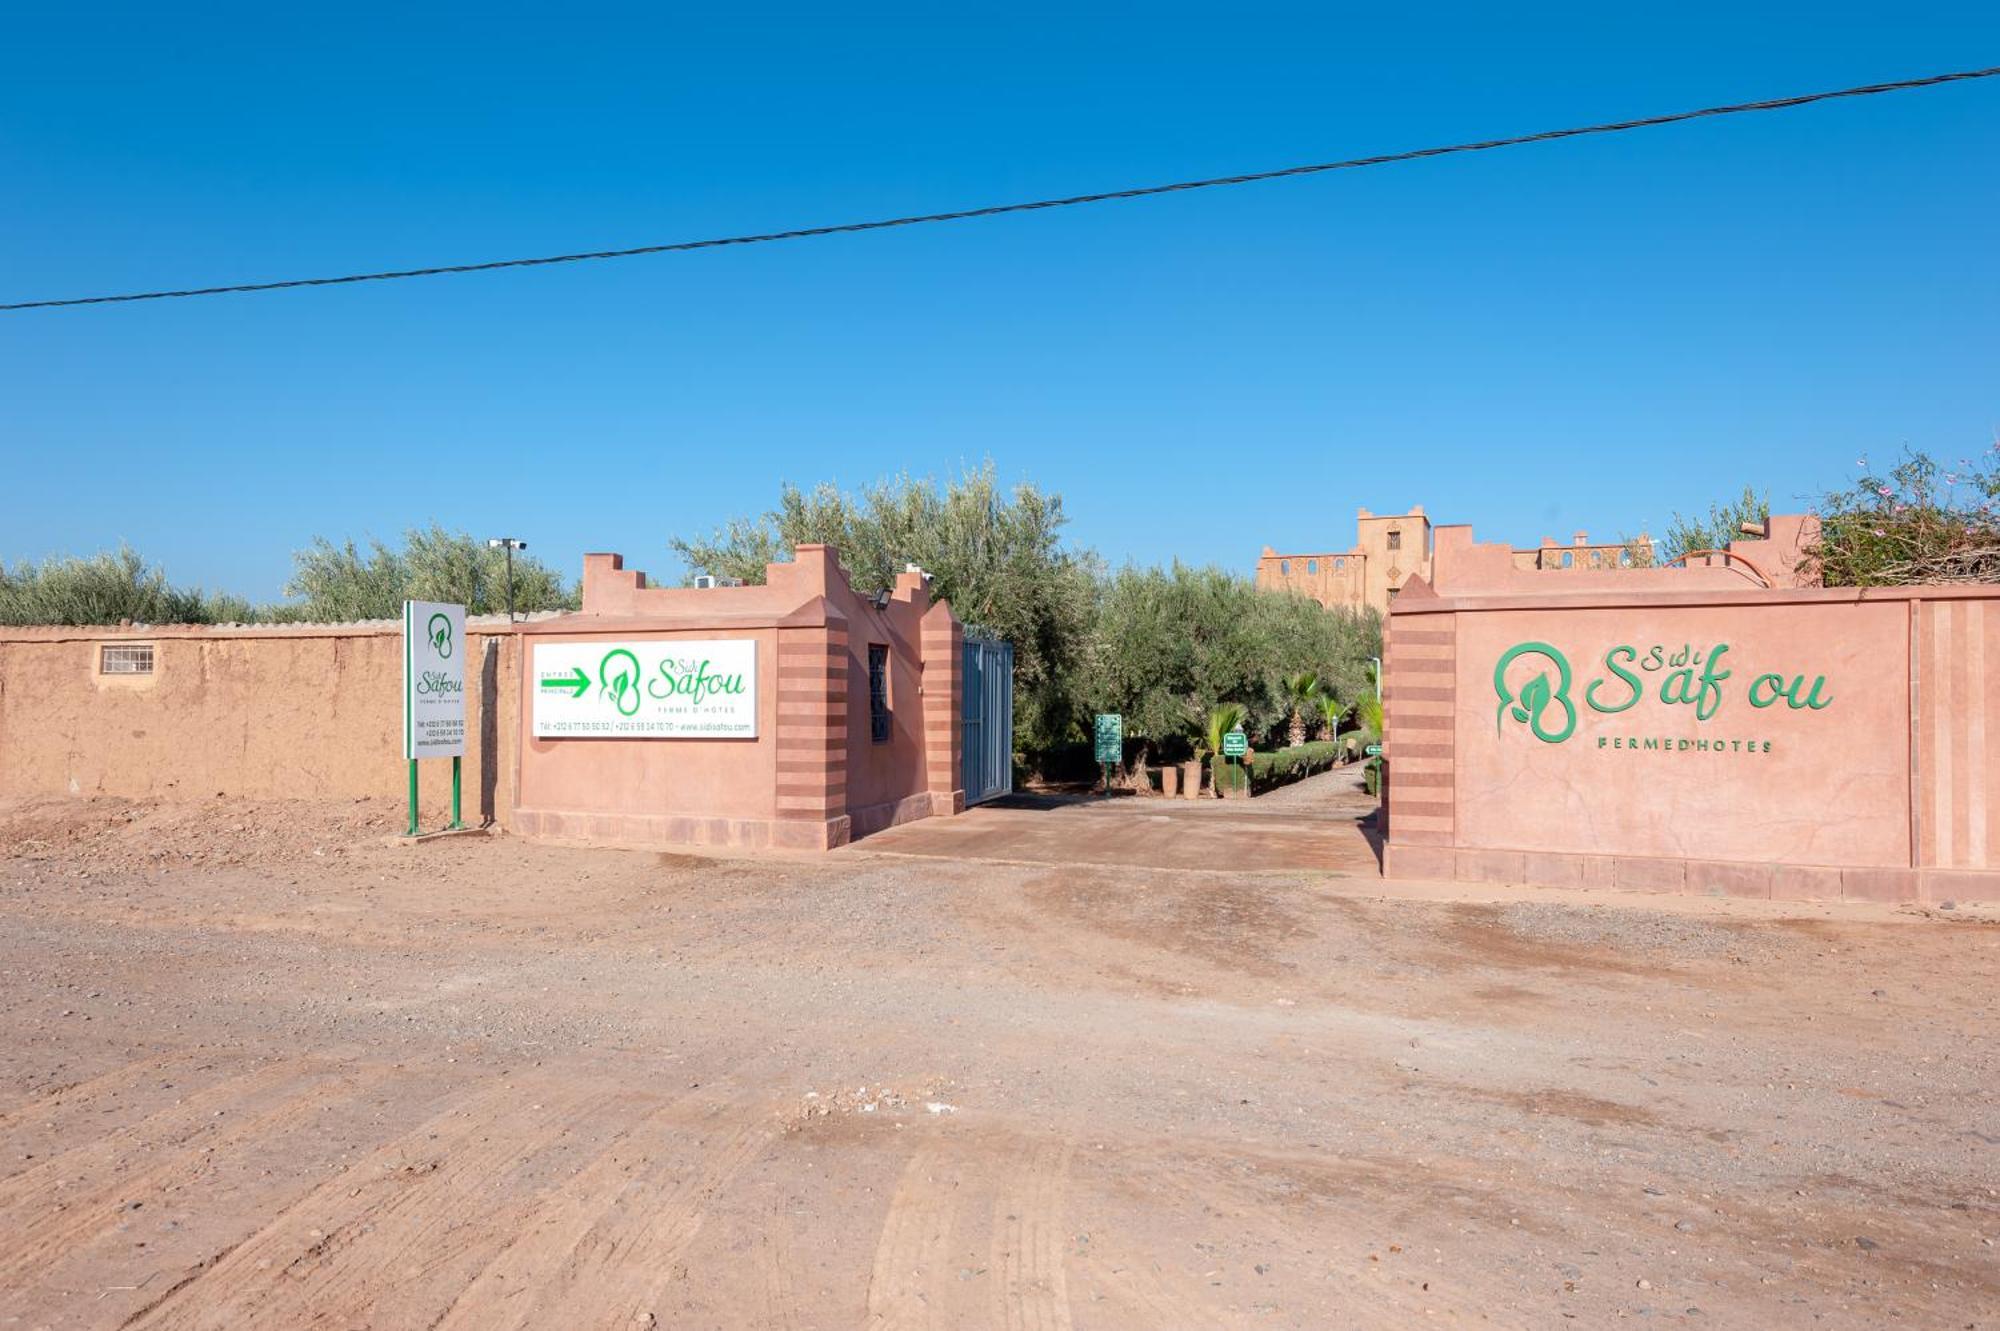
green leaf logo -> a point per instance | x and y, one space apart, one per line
618 673
1537 696
440 633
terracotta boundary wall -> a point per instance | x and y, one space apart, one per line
814 777
247 712
315 711
1934 828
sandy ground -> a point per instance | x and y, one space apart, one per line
265 1068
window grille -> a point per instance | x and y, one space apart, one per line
878 692
125 659
1395 540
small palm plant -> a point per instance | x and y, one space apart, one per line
1369 713
1302 690
1221 720
1331 709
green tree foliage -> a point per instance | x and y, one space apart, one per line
1722 524
997 555
1923 522
1174 643
105 589
339 582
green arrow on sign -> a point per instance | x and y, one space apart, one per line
576 683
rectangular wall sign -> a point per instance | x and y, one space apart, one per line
636 690
433 680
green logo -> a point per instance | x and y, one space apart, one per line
618 672
1532 703
440 633
1691 676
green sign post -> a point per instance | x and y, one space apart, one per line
1235 744
1109 733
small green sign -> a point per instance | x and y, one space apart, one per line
1235 744
1110 733
1373 750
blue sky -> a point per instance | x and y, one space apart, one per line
1587 334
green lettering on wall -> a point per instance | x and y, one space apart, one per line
1631 681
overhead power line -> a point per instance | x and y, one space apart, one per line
1001 209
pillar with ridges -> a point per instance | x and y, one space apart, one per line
943 647
812 736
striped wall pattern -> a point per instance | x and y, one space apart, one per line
813 667
943 651
1958 704
1419 673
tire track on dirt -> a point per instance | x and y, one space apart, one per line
75 1095
52 1215
913 1252
82 1108
1029 1243
1149 1294
602 1249
1356 1218
378 1244
777 1263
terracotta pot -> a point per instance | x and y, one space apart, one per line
1170 781
1191 778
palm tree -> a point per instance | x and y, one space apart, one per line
1301 689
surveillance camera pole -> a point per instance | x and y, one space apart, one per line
510 545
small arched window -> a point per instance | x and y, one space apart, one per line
1340 566
1312 566
1285 568
1625 558
1568 559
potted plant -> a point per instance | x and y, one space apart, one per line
1301 690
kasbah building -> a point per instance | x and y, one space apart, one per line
1391 548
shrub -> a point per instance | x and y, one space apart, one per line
105 589
338 583
1923 522
1281 767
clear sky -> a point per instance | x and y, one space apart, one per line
1584 334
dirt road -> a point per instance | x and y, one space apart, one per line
264 1069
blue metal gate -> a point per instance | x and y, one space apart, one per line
987 705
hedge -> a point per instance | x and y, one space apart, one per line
1281 767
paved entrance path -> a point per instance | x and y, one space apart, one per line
1315 824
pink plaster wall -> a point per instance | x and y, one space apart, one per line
814 776
1885 793
1726 800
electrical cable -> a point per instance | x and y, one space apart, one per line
998 210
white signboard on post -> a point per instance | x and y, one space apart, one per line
659 689
433 680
